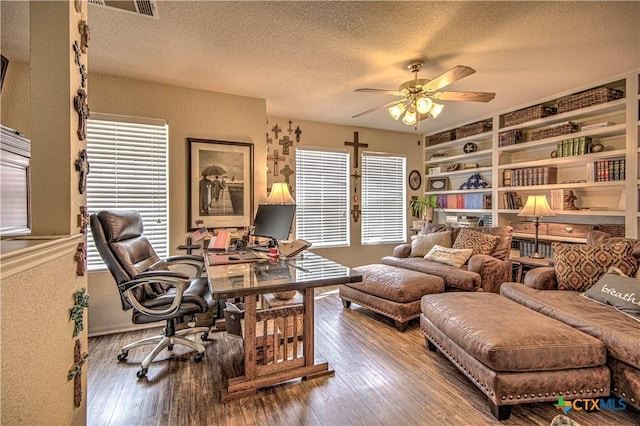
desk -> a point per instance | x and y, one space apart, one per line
529 263
287 360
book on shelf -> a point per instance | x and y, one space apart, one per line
557 199
512 200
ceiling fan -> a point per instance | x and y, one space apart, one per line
419 95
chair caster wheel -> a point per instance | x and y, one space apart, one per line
123 356
170 347
204 336
198 357
141 373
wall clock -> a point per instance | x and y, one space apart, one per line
415 180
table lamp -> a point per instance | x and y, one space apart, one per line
280 194
537 207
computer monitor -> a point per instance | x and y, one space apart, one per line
274 221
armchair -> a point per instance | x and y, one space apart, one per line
148 287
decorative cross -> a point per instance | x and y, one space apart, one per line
83 75
355 212
81 107
269 140
275 157
85 36
286 143
78 5
286 172
77 311
356 145
80 257
355 177
275 129
82 166
290 130
298 132
76 49
75 372
83 219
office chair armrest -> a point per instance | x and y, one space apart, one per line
174 279
195 261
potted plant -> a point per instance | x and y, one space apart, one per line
422 208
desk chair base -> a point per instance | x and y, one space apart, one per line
167 340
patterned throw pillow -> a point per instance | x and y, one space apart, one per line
449 256
421 244
580 266
479 242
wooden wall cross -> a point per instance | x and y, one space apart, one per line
269 140
276 130
82 166
290 129
356 145
275 158
76 50
298 132
83 76
355 212
286 172
81 258
77 310
85 36
75 372
286 143
82 108
83 219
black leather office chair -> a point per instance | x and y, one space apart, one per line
147 285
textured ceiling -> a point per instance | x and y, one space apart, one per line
306 58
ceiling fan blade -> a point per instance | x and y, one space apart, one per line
454 74
388 104
388 92
465 96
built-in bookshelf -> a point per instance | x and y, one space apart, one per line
584 140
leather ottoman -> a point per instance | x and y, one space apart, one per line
511 353
391 291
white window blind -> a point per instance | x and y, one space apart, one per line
384 215
322 197
128 160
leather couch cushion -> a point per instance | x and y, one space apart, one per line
421 244
618 332
599 237
539 344
458 278
579 266
397 284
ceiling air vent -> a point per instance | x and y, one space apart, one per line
139 7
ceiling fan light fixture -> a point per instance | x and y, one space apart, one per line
436 109
423 105
409 117
397 110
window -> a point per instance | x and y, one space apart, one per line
384 217
128 158
322 197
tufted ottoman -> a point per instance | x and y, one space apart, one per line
391 291
513 354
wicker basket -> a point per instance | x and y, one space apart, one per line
447 136
587 98
528 114
473 129
557 130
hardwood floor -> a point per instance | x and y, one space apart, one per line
382 377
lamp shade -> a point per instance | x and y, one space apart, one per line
280 194
537 206
436 109
397 110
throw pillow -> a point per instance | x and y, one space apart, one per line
617 290
449 256
421 244
580 266
479 242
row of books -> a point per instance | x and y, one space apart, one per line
529 176
608 170
512 200
510 137
557 199
527 248
574 146
463 201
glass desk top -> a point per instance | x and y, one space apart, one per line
297 273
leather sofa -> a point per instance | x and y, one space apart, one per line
619 332
480 273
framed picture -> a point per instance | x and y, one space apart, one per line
438 184
415 180
220 183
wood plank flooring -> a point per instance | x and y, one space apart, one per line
383 377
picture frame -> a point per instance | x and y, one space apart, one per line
438 184
415 180
220 183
